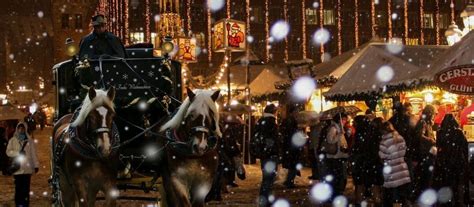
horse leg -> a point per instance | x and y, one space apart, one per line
176 192
199 192
111 193
68 195
84 193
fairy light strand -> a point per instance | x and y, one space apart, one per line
405 20
147 21
339 28
126 25
356 22
209 52
267 34
452 11
303 27
422 25
285 16
372 17
438 40
188 15
247 18
228 8
389 11
321 24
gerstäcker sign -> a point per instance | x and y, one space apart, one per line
457 79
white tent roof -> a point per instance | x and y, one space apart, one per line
461 53
264 83
361 73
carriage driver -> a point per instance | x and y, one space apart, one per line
100 41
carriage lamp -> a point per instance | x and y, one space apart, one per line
468 18
168 45
453 34
71 48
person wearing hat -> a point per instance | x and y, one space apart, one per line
100 41
265 146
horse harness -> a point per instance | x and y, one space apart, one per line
184 147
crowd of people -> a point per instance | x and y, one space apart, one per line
391 161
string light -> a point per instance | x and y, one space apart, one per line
339 28
405 14
437 23
303 28
228 8
356 23
147 21
247 13
285 15
267 34
126 15
422 35
389 11
452 11
372 17
188 15
321 24
209 52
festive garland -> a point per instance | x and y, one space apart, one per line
389 91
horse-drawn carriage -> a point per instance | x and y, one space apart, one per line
122 131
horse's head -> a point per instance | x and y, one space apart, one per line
197 120
95 119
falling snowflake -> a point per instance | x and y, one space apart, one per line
280 30
395 45
151 73
298 139
321 36
340 201
250 38
97 68
321 192
215 5
303 87
40 14
428 198
125 76
269 167
385 73
281 203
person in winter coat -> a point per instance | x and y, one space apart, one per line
29 163
100 41
426 150
3 150
337 163
361 125
292 154
373 165
452 161
265 145
392 151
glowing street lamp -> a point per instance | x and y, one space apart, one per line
468 18
453 34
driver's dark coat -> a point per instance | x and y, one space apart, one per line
89 46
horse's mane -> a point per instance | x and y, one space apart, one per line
87 106
202 103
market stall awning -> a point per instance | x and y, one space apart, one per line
461 53
360 79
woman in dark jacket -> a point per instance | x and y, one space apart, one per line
361 125
451 168
425 150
